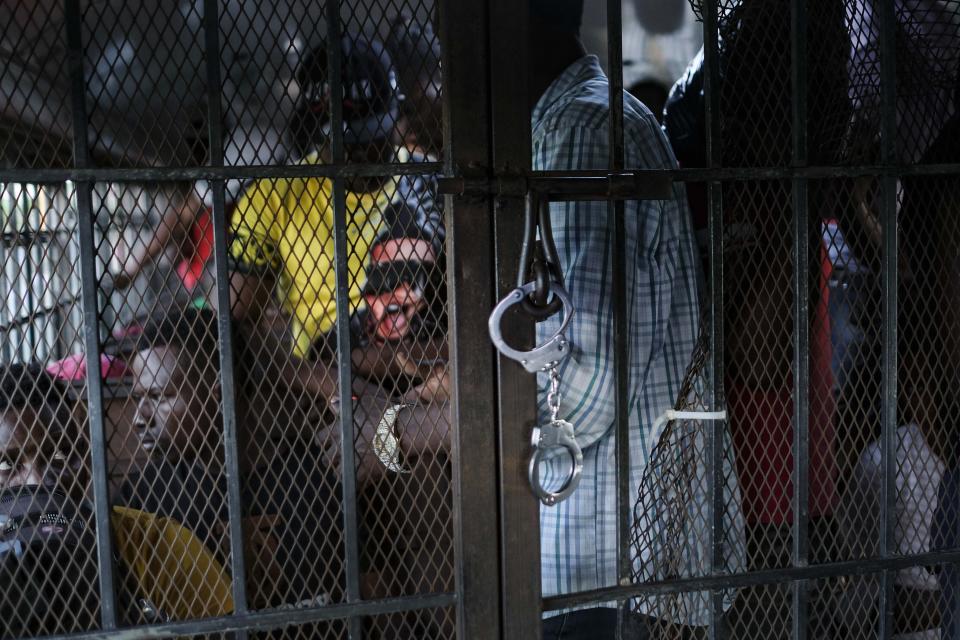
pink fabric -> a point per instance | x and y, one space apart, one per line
74 368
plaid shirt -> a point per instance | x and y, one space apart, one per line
570 131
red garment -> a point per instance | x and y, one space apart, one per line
762 430
190 269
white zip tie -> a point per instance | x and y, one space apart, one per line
673 414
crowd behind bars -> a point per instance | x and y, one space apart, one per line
170 522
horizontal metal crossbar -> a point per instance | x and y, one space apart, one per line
272 619
573 186
596 184
165 174
749 579
648 183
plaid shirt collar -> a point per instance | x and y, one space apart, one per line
580 71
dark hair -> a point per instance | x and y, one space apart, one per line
652 93
30 385
192 330
563 15
370 97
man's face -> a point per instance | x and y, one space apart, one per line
392 311
176 408
32 453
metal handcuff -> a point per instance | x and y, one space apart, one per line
557 433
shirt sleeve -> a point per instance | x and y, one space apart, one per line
255 229
581 235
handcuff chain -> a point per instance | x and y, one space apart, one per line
553 396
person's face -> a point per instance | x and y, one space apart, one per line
392 312
33 454
176 409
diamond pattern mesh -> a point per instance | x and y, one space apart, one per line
431 623
844 295
168 455
41 445
145 82
36 115
168 452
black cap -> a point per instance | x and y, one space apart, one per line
47 545
36 515
369 82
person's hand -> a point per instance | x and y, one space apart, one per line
369 405
380 359
436 387
318 380
434 377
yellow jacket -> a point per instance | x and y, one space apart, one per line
171 566
286 224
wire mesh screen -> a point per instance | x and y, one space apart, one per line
669 535
37 433
225 395
853 454
41 314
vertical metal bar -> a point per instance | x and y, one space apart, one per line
621 337
519 510
621 331
715 477
615 73
56 275
89 283
98 439
215 139
801 317
469 225
28 251
888 215
6 293
344 362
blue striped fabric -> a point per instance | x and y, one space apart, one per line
570 131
